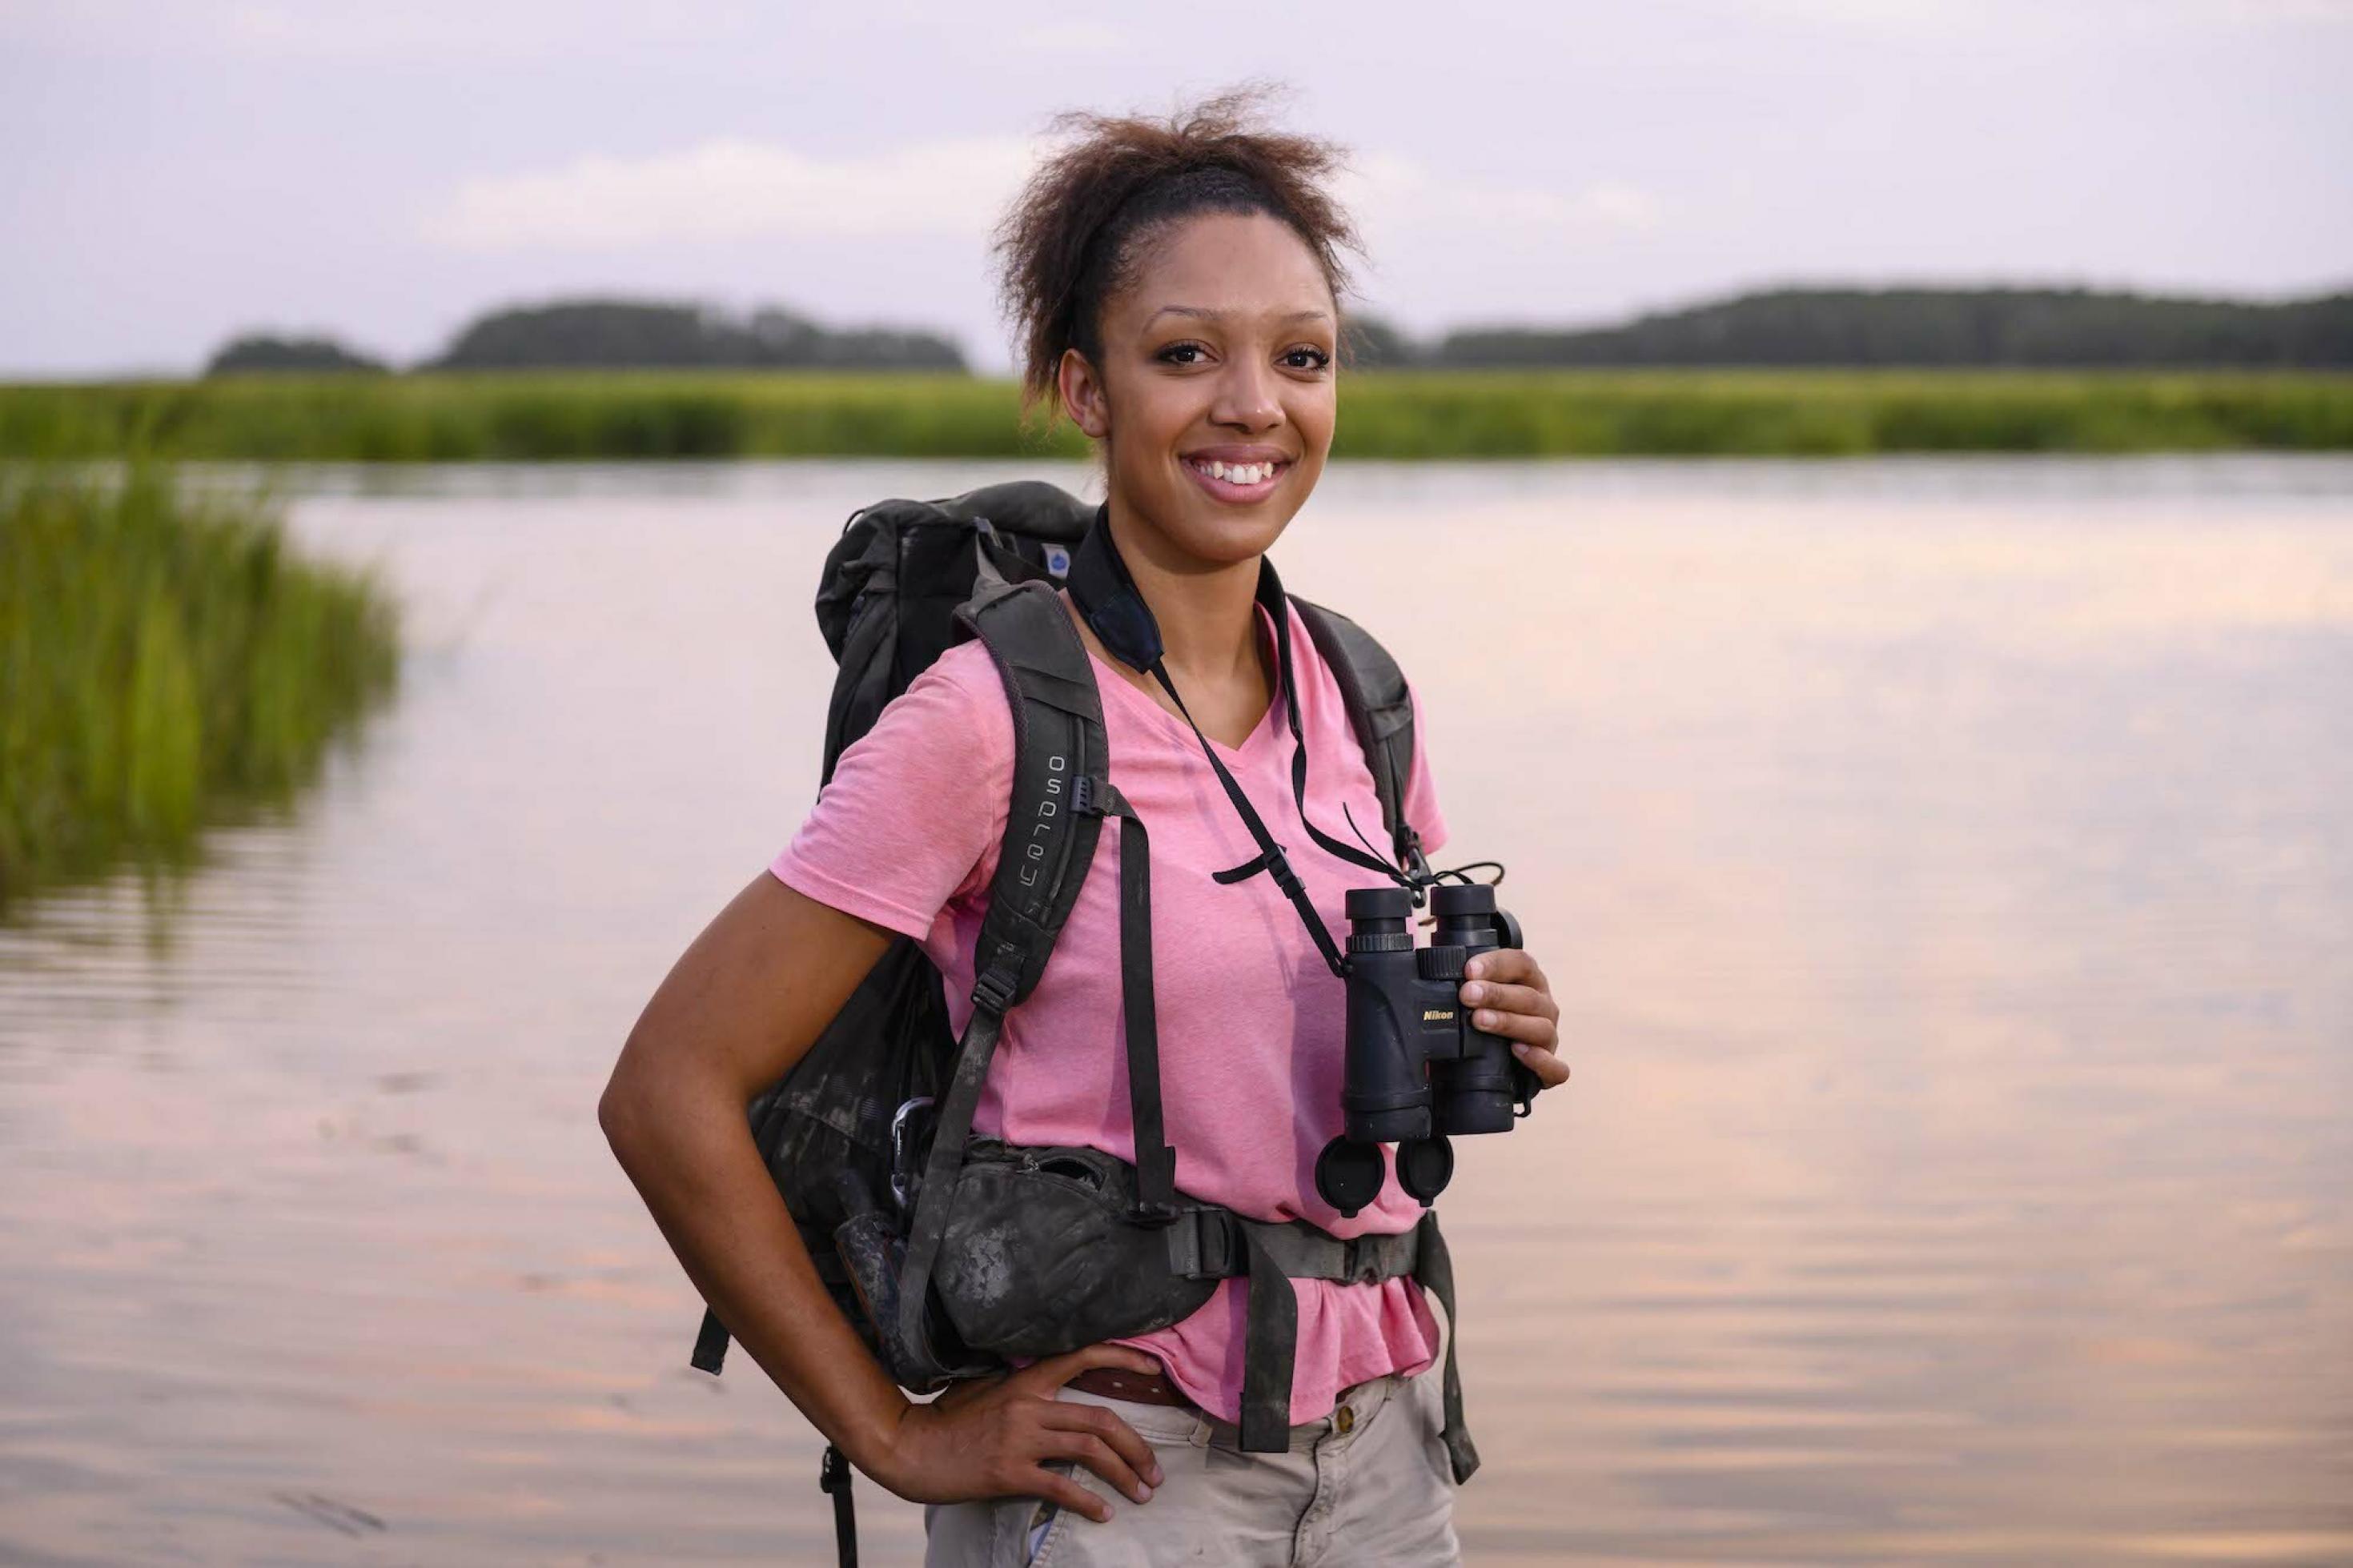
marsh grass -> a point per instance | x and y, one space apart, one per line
164 657
542 416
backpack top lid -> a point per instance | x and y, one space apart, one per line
874 551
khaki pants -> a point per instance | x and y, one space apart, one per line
1367 1485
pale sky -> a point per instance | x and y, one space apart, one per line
174 171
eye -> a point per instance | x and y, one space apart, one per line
1306 359
1169 355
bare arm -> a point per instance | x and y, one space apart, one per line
741 1006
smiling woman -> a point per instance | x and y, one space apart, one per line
1180 293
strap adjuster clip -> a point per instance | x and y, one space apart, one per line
1204 1244
993 989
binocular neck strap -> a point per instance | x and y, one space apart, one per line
1271 859
1115 611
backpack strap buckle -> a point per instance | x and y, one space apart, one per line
1205 1244
995 988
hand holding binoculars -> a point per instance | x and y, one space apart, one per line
1417 1071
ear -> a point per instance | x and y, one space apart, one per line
1084 397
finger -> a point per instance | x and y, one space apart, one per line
1502 999
1065 1493
1125 1440
1098 1456
1550 1070
1042 1377
1512 965
1521 1026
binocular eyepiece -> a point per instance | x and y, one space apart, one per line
1415 1070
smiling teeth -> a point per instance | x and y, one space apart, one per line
1239 473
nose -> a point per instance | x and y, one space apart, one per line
1246 398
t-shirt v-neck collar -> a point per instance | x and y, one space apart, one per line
1270 722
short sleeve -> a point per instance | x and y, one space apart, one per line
913 816
1420 794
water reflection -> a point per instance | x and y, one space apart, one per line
1944 866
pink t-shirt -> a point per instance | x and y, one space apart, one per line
1251 1021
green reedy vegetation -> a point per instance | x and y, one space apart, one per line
620 415
1766 413
164 658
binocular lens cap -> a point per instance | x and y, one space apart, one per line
1379 903
1424 1167
1348 1174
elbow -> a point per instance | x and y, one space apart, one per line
621 1114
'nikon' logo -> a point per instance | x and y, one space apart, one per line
1438 1015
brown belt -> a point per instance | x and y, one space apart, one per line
1135 1387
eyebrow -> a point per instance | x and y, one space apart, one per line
1196 310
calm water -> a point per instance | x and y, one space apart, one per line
1947 870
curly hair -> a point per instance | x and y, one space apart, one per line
1071 237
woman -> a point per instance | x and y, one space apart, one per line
1178 287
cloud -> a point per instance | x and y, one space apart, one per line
1394 196
733 188
1073 37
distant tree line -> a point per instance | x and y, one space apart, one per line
2044 328
262 351
617 335
2074 329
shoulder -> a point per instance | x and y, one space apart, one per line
952 721
964 679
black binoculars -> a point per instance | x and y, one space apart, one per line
1415 1070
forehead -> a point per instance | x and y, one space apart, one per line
1247 265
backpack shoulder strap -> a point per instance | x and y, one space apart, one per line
1061 769
1061 792
1379 706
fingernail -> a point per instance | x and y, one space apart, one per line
1153 1475
1472 993
1521 1049
1475 967
1485 1020
1142 1494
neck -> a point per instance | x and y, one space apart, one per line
1206 610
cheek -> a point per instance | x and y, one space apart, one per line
1146 422
1316 418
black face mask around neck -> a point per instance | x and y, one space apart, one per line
1115 611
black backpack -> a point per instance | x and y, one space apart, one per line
888 603
906 581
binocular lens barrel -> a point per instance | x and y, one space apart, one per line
1416 1069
